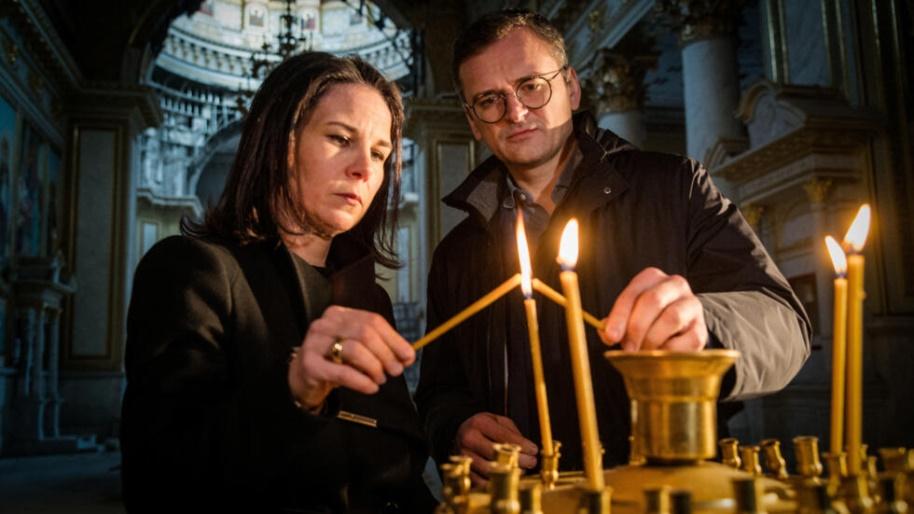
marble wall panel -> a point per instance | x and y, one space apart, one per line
806 53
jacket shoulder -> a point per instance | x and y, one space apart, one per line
186 256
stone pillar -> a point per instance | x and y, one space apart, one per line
817 190
710 75
445 154
106 121
615 88
53 393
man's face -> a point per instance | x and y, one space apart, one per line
524 138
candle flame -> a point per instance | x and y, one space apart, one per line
856 234
523 254
838 259
568 249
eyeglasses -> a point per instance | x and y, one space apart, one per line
533 93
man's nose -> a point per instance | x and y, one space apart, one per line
515 111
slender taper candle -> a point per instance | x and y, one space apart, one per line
854 240
580 361
838 346
536 357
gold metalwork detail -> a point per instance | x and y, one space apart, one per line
357 418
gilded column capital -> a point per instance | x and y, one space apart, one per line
615 82
700 19
817 190
753 214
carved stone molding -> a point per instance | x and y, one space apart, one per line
615 82
700 19
817 190
753 214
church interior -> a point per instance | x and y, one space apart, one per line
119 118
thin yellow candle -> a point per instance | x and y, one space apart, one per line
839 345
539 381
473 308
854 241
580 361
557 297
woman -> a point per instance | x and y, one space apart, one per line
262 370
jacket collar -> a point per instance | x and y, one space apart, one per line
595 183
354 267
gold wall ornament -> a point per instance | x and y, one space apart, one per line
817 190
753 214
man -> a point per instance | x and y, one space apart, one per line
668 260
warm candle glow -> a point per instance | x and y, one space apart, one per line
838 259
839 346
568 249
856 234
523 254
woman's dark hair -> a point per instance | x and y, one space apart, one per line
257 198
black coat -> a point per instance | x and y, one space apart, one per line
636 209
208 420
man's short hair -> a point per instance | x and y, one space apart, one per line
495 26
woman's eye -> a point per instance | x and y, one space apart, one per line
378 156
341 140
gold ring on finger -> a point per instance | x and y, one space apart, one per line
336 350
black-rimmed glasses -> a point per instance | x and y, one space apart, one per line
533 93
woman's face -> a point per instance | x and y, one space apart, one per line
337 163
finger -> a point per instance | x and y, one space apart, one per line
526 461
617 320
342 375
674 320
693 339
499 433
527 446
358 356
474 440
373 328
649 306
381 353
480 465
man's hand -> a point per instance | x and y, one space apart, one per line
656 311
477 435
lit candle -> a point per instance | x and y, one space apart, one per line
557 297
854 241
838 347
539 381
473 308
580 362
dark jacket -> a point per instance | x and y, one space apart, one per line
636 209
208 419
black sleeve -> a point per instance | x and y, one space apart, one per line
444 397
748 304
194 426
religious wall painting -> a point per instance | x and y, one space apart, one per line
7 144
30 196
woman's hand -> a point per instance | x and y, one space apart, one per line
367 350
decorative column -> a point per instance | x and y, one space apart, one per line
710 76
53 379
39 291
445 154
616 87
817 190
